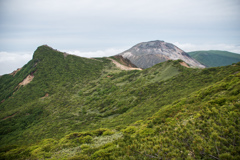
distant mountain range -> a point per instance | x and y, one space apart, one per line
147 54
215 58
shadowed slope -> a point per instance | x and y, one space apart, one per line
215 58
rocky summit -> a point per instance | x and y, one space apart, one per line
147 54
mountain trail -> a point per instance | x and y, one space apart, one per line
9 116
184 64
122 67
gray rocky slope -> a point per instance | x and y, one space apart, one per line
147 54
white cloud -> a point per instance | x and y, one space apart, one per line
187 47
11 61
122 8
77 24
99 53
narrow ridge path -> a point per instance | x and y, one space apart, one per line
122 67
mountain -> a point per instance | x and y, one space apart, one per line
61 106
147 54
215 58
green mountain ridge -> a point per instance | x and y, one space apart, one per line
80 108
215 58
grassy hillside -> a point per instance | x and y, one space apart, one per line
215 58
78 108
55 75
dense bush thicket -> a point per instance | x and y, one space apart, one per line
79 108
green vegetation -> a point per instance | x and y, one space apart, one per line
79 108
215 58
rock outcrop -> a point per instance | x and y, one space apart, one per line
147 54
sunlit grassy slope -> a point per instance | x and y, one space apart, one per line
215 58
79 108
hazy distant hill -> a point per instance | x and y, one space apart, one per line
147 54
60 106
215 58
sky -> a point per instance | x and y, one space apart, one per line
97 28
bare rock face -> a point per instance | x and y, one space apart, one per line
147 54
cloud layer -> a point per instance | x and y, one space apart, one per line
100 24
12 61
188 47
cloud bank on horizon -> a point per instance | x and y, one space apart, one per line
95 28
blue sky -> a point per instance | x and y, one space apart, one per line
95 28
